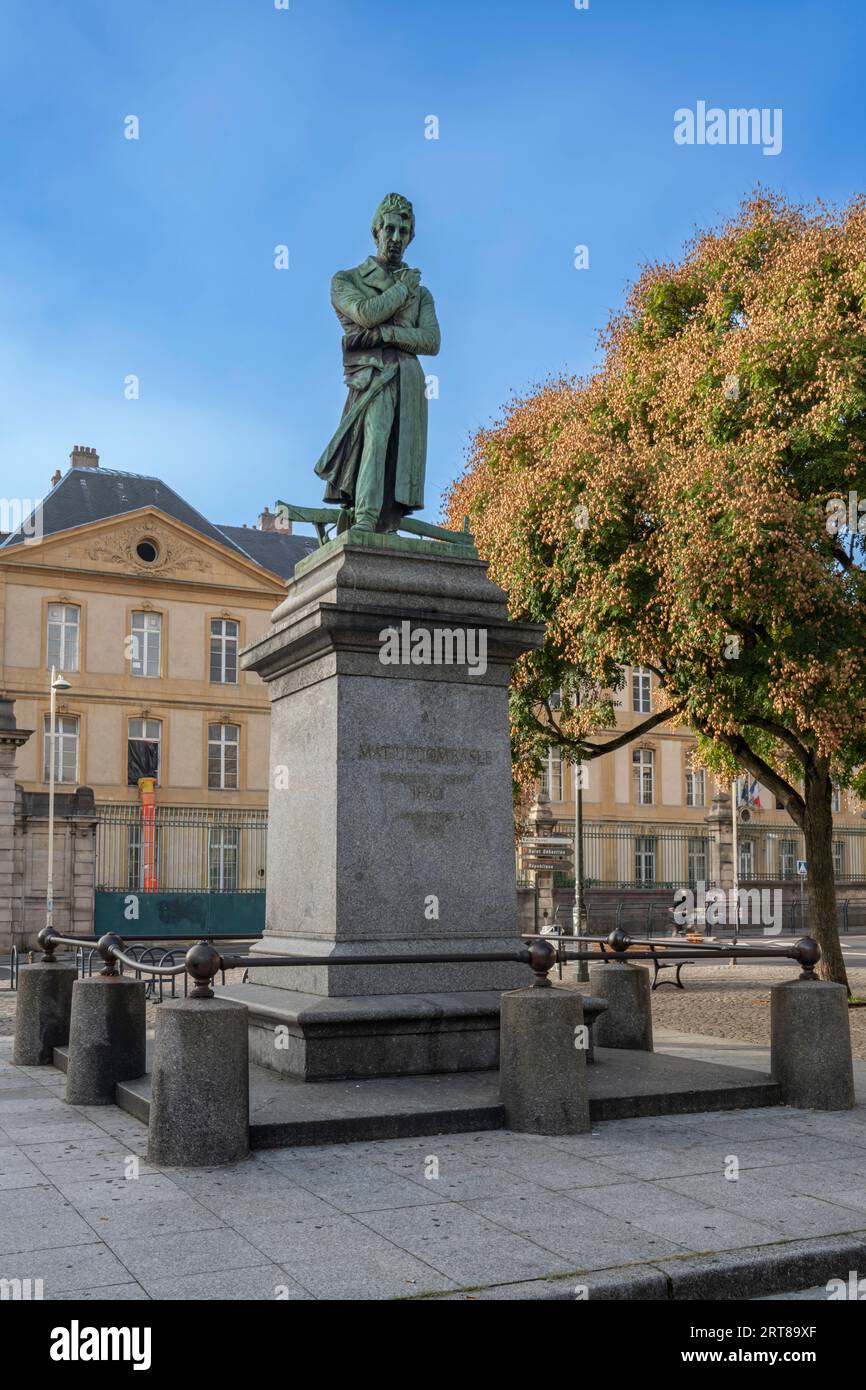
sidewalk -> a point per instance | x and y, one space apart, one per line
639 1208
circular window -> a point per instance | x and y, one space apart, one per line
147 551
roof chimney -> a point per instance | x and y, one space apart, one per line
55 477
272 521
83 457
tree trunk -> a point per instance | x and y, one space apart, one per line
821 882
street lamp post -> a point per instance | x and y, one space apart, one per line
58 682
577 922
735 847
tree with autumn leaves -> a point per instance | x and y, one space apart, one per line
693 507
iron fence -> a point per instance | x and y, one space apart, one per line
772 852
667 855
188 849
650 855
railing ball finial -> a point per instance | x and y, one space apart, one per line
618 941
808 953
542 958
47 942
203 962
105 947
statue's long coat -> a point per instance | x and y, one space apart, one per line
370 297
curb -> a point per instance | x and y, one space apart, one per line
732 1275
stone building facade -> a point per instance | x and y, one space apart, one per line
24 850
144 605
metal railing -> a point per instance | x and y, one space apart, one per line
203 962
146 962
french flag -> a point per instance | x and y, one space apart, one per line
750 795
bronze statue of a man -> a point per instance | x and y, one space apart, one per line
374 465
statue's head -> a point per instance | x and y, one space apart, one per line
393 227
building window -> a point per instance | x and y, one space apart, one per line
145 656
837 799
696 784
223 741
64 625
142 750
644 859
787 858
643 767
65 749
697 860
839 858
641 690
223 859
551 775
224 651
747 859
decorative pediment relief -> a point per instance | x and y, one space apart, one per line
172 554
146 545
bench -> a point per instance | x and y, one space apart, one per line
660 965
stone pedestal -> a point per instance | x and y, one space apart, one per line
542 1077
106 1037
810 1044
42 1012
628 1020
390 823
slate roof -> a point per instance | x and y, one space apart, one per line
85 495
275 550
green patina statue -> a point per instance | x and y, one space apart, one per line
374 465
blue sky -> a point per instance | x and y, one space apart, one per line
261 127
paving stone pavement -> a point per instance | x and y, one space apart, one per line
82 1210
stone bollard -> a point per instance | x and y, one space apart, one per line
106 1037
628 1020
200 1096
542 1061
810 1044
42 1014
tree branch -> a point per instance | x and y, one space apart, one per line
782 790
595 750
779 731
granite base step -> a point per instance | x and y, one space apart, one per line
622 1085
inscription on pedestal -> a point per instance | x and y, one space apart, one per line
428 784
421 754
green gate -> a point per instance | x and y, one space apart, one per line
190 871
